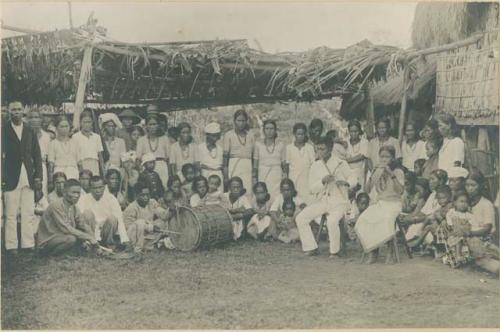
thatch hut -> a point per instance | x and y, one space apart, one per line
466 78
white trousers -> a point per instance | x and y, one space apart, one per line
311 213
23 198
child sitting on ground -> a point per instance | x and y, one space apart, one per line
145 220
200 192
215 194
239 206
179 196
259 224
458 224
286 229
188 172
358 206
150 178
434 222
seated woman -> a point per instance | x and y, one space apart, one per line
480 237
260 221
238 205
376 225
415 221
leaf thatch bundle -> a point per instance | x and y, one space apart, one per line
438 23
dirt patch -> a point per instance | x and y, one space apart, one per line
244 286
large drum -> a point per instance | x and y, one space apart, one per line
200 227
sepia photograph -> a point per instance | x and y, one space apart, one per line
250 165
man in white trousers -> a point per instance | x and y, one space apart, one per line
21 174
329 181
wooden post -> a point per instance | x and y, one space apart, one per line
402 113
85 73
370 116
70 15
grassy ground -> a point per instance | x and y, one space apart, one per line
246 285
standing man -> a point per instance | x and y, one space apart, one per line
21 174
329 180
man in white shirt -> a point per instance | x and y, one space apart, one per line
21 174
329 181
102 207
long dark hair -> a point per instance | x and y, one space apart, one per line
181 126
449 120
477 176
242 112
300 125
272 122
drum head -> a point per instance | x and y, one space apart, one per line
187 230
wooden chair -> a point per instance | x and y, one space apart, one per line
343 234
402 239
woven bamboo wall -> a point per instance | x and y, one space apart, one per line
467 82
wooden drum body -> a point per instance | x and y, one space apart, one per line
200 227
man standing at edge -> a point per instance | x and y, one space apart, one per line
21 174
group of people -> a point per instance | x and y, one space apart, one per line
114 184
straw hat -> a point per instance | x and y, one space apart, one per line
457 172
212 128
148 157
128 113
128 156
106 117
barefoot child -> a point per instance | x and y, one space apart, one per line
259 224
458 222
179 196
286 227
361 203
239 206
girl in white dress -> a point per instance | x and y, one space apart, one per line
62 154
269 159
357 151
452 151
183 151
299 158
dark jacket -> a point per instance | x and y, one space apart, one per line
15 152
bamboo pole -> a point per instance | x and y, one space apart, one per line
402 113
16 29
70 15
85 73
370 115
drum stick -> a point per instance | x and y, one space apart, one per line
167 231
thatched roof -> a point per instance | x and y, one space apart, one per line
390 92
438 23
44 68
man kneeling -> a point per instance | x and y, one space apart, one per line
62 228
145 219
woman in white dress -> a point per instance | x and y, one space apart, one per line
269 159
238 147
452 151
62 154
357 151
299 158
376 225
183 151
383 138
152 142
412 148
